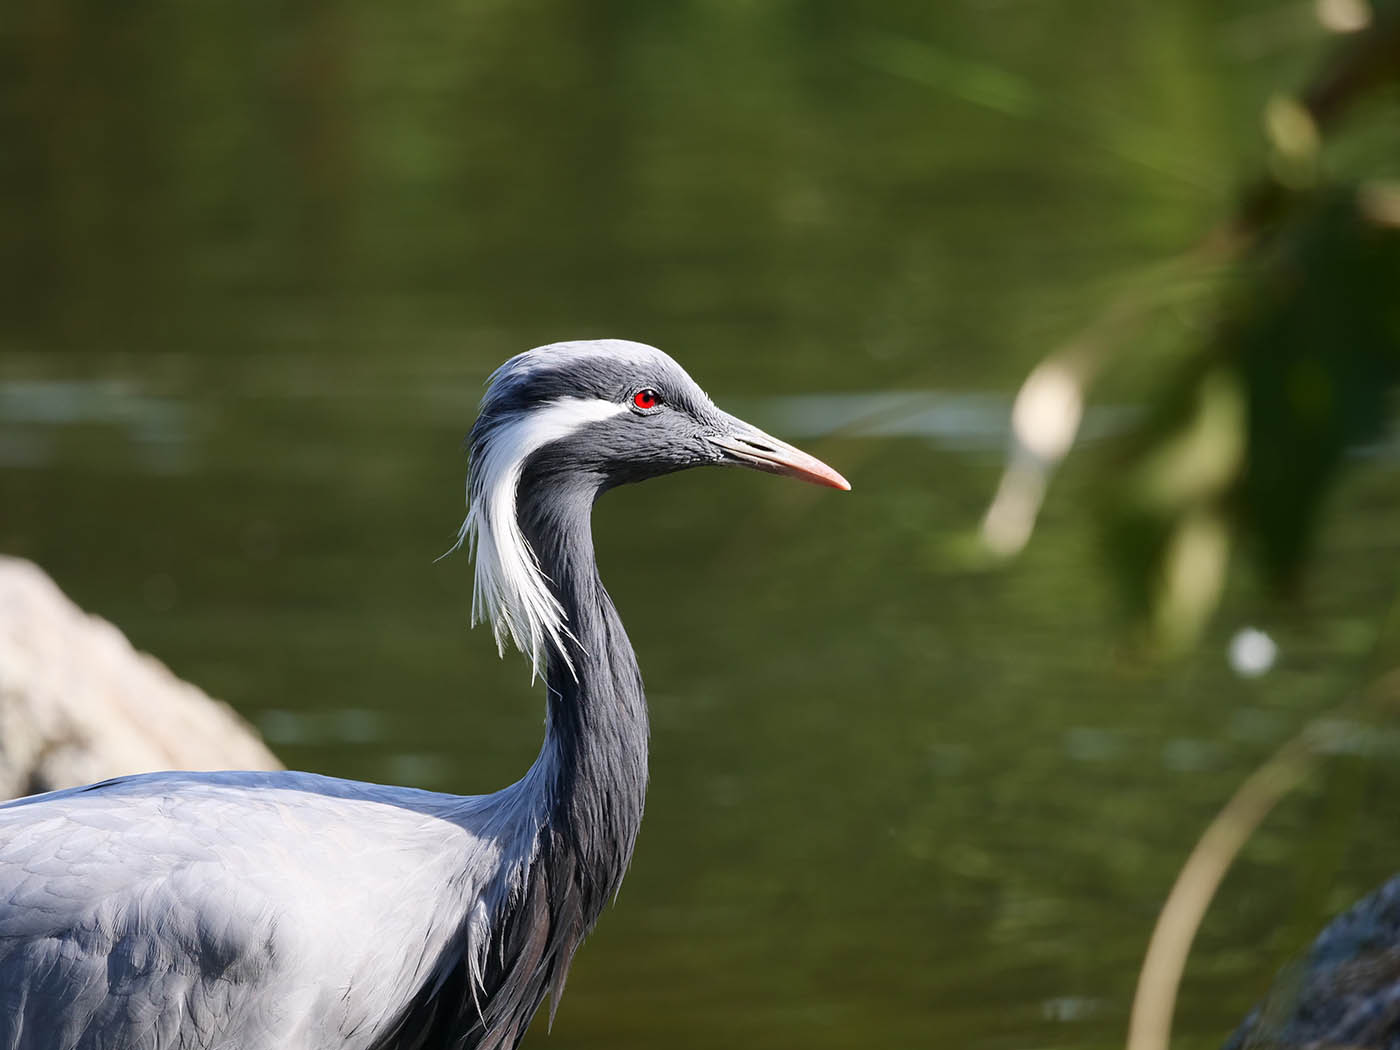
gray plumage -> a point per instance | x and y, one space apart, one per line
253 911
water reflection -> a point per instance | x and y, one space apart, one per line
156 427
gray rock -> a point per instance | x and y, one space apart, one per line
78 703
1344 993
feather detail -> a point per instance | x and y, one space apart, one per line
512 592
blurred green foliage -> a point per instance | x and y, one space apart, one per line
1295 373
1244 446
1317 351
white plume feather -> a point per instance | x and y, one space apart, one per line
511 590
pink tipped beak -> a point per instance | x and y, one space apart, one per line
747 446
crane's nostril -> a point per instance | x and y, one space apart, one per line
758 445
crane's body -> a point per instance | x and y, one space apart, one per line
252 911
205 890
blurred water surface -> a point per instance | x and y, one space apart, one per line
257 260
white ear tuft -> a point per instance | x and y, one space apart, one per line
511 591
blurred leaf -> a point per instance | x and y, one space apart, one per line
1318 351
1258 425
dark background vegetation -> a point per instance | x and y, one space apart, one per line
256 260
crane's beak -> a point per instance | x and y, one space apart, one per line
747 446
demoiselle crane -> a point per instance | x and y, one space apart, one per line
288 911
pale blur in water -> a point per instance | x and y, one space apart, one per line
256 263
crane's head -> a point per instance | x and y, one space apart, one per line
577 418
611 411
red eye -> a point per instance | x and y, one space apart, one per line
646 398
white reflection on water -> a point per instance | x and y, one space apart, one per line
971 421
157 427
1070 1008
953 420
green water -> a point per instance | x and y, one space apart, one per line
255 262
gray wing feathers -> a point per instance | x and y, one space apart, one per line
171 912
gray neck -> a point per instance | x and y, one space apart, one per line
586 793
597 727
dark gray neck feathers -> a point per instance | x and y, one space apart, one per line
597 715
595 755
